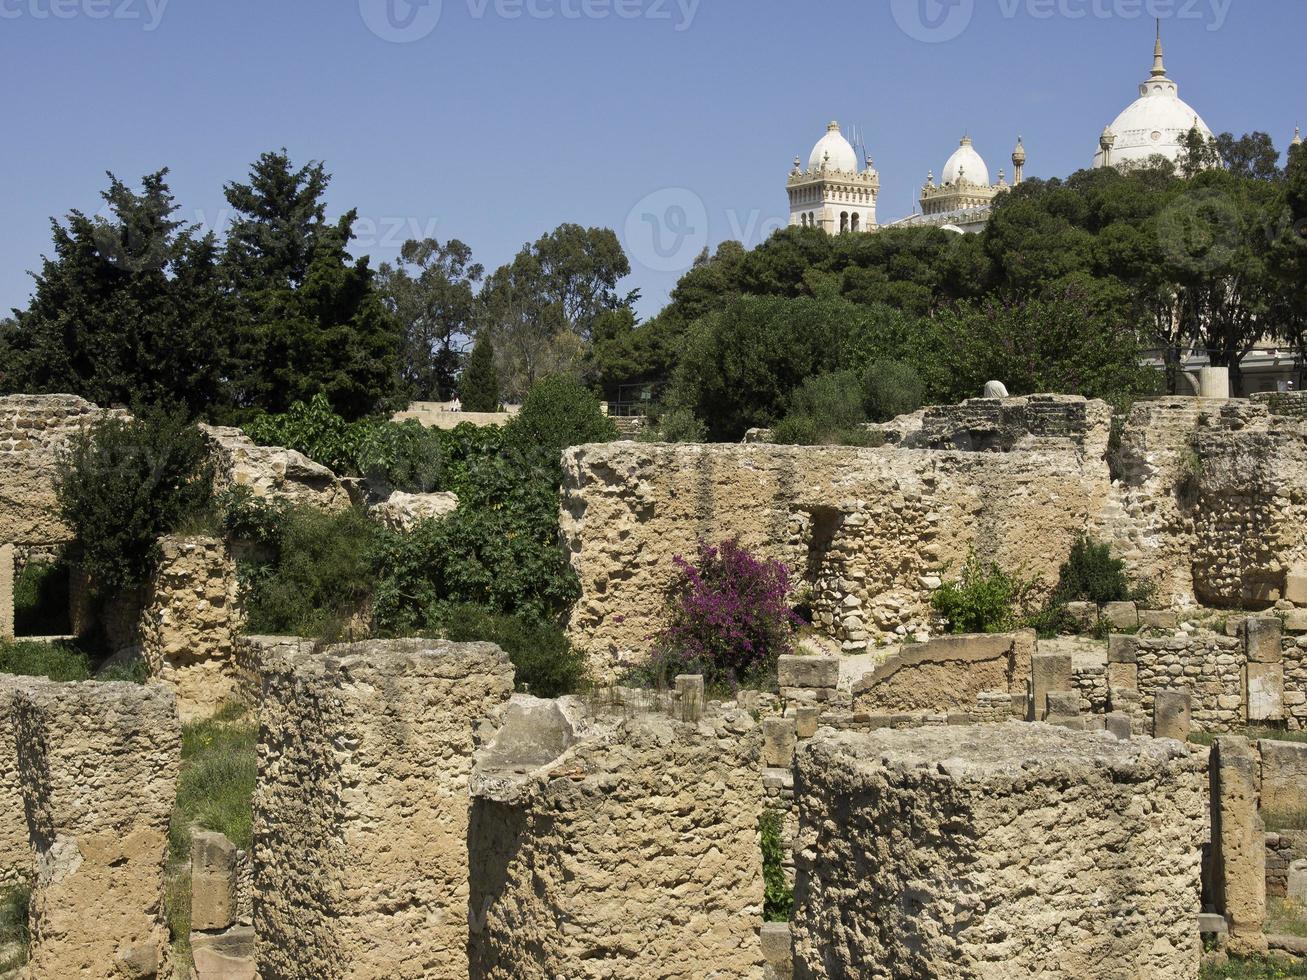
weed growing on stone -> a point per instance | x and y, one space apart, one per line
778 902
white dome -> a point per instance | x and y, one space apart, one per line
966 163
1155 124
834 152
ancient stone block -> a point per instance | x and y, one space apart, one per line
1123 677
6 592
99 766
808 672
1063 704
778 950
1265 692
1297 888
1262 638
1122 649
1121 615
1048 672
1159 619
690 691
1295 586
806 719
1283 776
214 881
225 956
360 816
581 866
1111 888
1295 621
1118 723
1238 843
190 624
779 736
1083 614
945 673
1172 716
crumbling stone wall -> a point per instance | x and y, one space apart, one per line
1295 683
872 531
996 853
272 472
190 623
361 810
15 853
631 853
98 765
1211 667
947 673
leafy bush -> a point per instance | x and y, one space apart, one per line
1091 574
560 412
315 430
825 411
247 517
215 790
41 600
892 388
778 900
728 617
985 599
401 456
55 661
320 578
124 482
547 664
673 425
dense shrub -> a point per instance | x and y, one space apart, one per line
560 412
728 617
320 578
41 600
675 424
1091 574
892 388
825 411
124 482
546 663
54 661
985 599
315 430
401 456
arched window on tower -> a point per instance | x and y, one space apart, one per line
844 222
856 221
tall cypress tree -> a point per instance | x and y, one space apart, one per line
479 385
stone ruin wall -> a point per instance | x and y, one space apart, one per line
947 674
96 770
361 811
872 532
958 853
633 853
190 623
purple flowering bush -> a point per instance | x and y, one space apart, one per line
729 618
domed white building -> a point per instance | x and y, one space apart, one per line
1155 124
833 194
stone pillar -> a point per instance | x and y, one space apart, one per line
1214 382
1264 674
15 852
778 951
806 719
361 810
6 592
1049 672
779 736
214 881
1122 663
1172 714
1238 844
690 689
99 766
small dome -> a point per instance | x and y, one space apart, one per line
1019 154
834 152
967 164
1297 136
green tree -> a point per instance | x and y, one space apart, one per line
311 319
560 412
435 306
129 308
479 384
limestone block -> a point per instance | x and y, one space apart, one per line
361 810
1297 890
99 766
1063 704
404 511
1048 672
808 672
1295 586
1283 776
779 736
214 881
1295 620
1214 383
1118 723
226 956
806 719
945 673
1212 924
690 690
1123 676
1265 692
1121 615
1238 844
778 950
1262 637
6 592
1122 649
1159 619
1172 715
1047 813
1083 614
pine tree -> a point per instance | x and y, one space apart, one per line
479 385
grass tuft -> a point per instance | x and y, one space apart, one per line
216 787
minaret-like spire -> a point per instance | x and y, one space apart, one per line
1297 136
1159 63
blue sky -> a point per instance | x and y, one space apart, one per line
493 121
